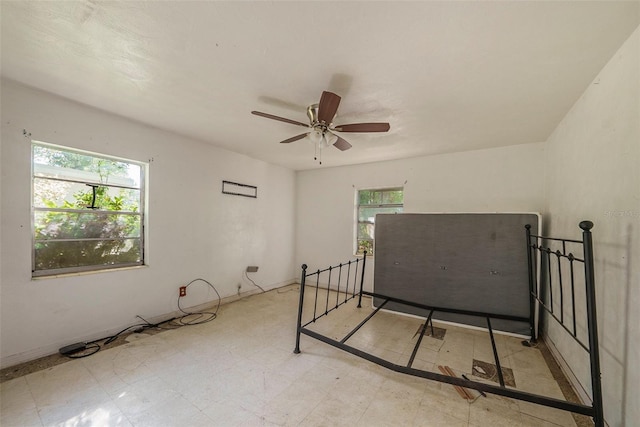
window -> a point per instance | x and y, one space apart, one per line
370 203
87 211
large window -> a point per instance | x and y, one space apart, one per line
370 203
87 211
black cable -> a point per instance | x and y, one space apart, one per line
143 326
212 315
180 321
149 325
112 338
254 283
108 340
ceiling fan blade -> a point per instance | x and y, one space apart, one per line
341 144
328 106
363 127
294 138
282 119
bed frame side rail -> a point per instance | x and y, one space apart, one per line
501 389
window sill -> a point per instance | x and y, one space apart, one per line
87 273
362 255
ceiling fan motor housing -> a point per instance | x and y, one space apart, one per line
320 127
312 113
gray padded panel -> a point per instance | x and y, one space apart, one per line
464 261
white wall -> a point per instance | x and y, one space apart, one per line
593 172
588 169
504 179
194 231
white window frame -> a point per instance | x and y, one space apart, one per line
357 213
79 180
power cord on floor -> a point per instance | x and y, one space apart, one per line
155 325
92 347
82 349
207 316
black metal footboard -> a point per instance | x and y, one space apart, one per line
345 290
345 279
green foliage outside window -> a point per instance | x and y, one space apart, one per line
371 203
86 211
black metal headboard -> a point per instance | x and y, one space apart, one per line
555 292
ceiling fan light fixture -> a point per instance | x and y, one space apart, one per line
323 143
316 136
330 138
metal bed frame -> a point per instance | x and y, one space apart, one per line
351 274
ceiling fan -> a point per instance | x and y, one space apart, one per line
322 130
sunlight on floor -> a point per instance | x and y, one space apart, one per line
240 370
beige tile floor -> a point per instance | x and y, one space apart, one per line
239 370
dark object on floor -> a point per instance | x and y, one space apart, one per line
73 348
432 331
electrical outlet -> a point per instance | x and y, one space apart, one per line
183 291
252 269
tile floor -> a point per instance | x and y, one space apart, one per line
239 370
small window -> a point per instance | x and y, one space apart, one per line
369 204
87 211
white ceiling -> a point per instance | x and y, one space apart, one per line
447 76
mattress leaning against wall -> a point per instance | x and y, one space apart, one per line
464 261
